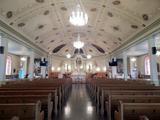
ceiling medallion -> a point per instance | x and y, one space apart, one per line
114 42
40 26
90 50
103 6
116 28
40 1
99 34
93 9
116 2
55 28
41 41
104 42
21 24
37 38
66 50
78 17
11 23
102 30
145 17
134 26
52 4
78 44
9 14
64 8
143 25
110 14
46 12
119 39
52 41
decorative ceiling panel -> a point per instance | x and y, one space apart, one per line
111 22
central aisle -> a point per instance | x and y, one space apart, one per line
79 106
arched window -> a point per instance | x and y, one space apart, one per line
147 65
8 65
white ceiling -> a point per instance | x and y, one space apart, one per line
111 22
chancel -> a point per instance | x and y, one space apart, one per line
79 59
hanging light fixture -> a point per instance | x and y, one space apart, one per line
23 58
89 56
78 44
158 53
68 56
78 17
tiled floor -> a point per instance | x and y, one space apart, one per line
79 106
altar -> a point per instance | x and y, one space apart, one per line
78 77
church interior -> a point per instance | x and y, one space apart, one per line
79 59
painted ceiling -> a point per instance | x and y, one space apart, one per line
111 22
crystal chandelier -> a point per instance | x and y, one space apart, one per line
68 55
78 17
78 44
89 56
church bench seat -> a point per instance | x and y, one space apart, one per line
52 94
112 101
132 111
99 90
101 97
46 101
23 111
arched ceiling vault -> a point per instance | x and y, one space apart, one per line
111 22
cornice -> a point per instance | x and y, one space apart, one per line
139 37
19 38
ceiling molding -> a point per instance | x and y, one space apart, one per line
18 37
141 36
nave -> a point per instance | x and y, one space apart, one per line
79 106
80 59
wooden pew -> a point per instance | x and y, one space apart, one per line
56 93
132 111
24 111
46 102
113 101
51 95
99 89
93 86
61 86
130 91
30 91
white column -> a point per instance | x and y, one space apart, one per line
125 72
114 71
31 65
3 56
24 64
43 68
49 63
153 61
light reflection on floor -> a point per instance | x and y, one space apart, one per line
79 106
